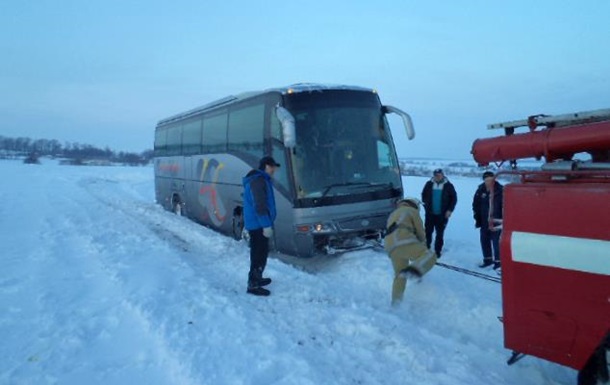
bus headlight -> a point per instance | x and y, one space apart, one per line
323 228
317 228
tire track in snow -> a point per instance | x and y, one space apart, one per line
108 305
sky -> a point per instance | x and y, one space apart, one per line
100 285
104 72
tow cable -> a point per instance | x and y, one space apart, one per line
470 272
379 247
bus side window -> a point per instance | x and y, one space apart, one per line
174 140
215 133
191 137
246 128
161 141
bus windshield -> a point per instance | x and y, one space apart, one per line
343 144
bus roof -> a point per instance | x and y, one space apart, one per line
293 88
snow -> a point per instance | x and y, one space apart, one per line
99 285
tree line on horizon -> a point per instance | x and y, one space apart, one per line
75 153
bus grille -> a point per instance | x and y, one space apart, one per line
362 223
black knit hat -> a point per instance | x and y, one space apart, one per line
488 174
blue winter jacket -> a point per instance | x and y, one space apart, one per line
259 201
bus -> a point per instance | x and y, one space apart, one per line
339 177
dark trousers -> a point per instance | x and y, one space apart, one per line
259 251
490 241
435 223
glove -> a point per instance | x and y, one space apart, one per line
268 232
477 224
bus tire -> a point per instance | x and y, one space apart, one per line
245 235
177 206
238 224
596 370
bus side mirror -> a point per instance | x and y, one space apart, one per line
288 126
406 120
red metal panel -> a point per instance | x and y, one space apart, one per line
554 313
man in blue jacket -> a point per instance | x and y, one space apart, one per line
259 214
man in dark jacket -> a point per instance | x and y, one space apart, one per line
487 209
259 214
439 199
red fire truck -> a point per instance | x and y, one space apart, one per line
555 242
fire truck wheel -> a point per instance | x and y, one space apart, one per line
596 370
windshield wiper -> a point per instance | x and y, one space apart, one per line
332 186
354 184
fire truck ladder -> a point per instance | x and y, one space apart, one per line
554 120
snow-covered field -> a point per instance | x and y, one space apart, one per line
99 285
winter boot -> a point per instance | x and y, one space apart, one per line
486 262
256 283
497 265
255 278
260 291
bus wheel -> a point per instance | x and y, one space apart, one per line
177 206
596 370
238 224
245 235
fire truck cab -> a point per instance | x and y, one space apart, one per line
555 242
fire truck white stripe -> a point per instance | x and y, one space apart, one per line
588 255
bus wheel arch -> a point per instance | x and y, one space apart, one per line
596 370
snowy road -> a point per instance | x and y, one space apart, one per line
99 285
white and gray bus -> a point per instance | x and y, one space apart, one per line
339 176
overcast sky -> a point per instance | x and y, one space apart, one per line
103 72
